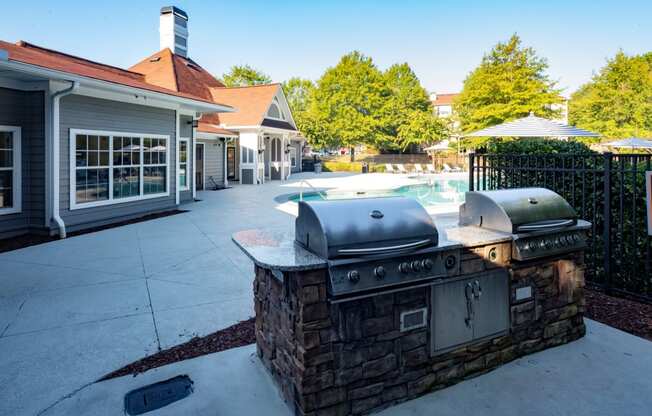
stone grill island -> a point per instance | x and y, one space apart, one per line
368 351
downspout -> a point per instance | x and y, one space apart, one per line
56 156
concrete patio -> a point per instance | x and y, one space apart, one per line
75 309
605 373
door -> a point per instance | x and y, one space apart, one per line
275 168
492 304
230 163
450 313
199 166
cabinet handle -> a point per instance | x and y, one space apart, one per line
477 289
470 312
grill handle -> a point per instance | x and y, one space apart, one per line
537 227
373 250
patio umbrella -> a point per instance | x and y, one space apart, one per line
633 143
532 126
441 146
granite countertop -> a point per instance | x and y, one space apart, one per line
276 250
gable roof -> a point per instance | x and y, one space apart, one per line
251 102
27 53
444 99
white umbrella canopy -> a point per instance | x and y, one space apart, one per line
532 126
441 146
632 143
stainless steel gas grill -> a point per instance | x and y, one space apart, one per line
373 244
542 222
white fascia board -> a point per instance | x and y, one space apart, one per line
88 84
264 129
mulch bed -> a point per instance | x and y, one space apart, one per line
26 240
625 314
241 334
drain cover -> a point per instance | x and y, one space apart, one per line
157 395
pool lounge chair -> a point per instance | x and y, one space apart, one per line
448 169
401 168
431 169
389 168
418 169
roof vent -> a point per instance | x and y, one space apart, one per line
155 59
173 30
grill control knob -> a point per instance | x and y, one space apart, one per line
576 238
354 276
427 264
404 268
548 244
416 266
379 272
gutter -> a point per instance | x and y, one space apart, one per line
56 156
201 106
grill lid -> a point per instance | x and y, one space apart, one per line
517 210
360 227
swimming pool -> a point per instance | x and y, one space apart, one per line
437 192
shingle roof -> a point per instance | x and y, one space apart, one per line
28 53
444 99
172 71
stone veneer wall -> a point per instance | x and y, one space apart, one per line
351 358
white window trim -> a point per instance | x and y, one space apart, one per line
73 177
17 171
280 111
187 140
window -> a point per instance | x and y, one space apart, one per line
183 164
116 167
293 157
247 154
10 170
274 111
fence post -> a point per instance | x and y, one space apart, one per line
471 160
606 232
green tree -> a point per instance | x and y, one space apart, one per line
297 92
407 97
421 127
510 82
617 102
244 75
345 108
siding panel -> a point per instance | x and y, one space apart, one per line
80 112
214 163
26 110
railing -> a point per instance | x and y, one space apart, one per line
305 182
606 189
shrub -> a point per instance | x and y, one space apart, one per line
332 166
533 145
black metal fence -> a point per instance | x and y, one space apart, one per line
606 189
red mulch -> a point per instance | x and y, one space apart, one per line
26 240
241 334
624 314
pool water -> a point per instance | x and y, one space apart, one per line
446 191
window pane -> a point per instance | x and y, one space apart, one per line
104 143
92 185
126 182
93 159
6 158
93 142
6 189
104 158
182 176
81 142
154 180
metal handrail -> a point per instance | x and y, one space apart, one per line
303 181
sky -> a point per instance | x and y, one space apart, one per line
441 40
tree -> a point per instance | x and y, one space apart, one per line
617 102
509 83
345 108
407 96
421 127
297 91
244 75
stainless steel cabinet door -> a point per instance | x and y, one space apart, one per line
449 326
492 305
